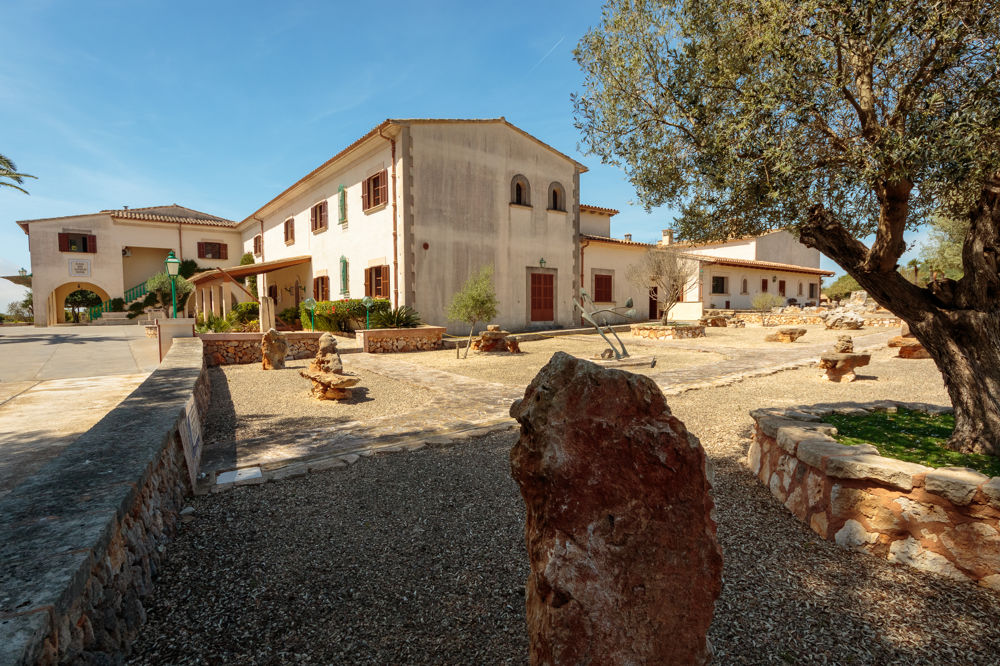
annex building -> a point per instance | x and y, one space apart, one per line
408 212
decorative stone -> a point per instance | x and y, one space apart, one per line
814 451
840 367
992 491
844 319
854 535
625 565
818 523
975 547
770 425
920 512
326 372
909 551
494 340
273 348
913 350
785 335
894 473
844 345
736 322
958 484
715 321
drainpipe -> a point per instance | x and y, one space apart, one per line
395 254
180 243
262 282
583 245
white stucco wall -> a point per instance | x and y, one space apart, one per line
741 249
782 247
615 259
595 223
734 294
462 219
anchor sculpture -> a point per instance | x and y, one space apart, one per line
585 299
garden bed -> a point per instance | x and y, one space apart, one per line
239 348
390 340
945 520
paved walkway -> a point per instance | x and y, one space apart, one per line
463 407
56 382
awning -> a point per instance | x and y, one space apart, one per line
248 269
23 280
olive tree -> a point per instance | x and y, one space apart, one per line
666 273
476 301
836 120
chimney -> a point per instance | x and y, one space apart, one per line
668 237
628 237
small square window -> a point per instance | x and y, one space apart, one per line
719 285
318 217
289 231
374 191
603 288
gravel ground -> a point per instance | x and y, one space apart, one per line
520 369
253 403
418 558
752 337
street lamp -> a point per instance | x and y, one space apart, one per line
310 304
368 303
173 267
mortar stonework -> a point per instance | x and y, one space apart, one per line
944 520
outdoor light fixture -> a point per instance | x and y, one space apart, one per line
541 262
310 304
173 267
368 303
22 272
774 278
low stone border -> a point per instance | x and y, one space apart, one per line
390 340
240 348
945 520
81 540
794 319
661 332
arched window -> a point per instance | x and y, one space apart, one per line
557 197
520 191
744 290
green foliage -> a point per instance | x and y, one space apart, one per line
841 288
401 317
22 310
188 268
911 436
745 114
289 315
477 299
341 315
159 286
243 313
9 176
764 301
251 280
943 251
118 305
213 324
81 299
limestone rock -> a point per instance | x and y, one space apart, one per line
736 322
715 321
326 372
854 535
843 318
785 335
625 566
957 484
273 347
844 345
909 348
327 357
840 367
909 551
495 340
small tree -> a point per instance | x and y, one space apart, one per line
79 299
159 284
841 288
250 280
666 274
763 303
476 301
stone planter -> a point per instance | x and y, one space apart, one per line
945 520
660 332
240 348
392 340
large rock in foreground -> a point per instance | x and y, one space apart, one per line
273 348
625 566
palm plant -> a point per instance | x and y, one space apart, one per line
8 172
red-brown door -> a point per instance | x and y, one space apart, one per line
542 300
654 304
781 287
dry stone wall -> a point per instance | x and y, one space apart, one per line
393 340
81 541
660 332
796 319
240 348
945 520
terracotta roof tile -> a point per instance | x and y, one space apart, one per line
753 263
598 209
617 241
172 213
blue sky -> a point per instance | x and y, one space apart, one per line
221 105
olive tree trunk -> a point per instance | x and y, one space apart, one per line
956 321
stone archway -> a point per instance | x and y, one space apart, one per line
57 298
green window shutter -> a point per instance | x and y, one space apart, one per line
342 215
344 287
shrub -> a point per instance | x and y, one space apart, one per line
243 312
290 316
341 315
213 324
401 317
118 305
763 303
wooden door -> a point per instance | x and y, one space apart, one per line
781 287
542 297
654 304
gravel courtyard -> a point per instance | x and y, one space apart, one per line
418 558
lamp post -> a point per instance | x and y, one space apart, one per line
173 267
367 302
310 304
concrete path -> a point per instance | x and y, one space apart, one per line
56 382
462 407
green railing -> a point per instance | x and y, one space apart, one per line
131 295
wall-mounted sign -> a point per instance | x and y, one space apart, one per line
79 267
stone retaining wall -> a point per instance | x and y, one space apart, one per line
391 340
660 332
794 319
81 541
239 348
945 520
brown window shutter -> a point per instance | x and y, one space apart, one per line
316 288
324 215
223 250
312 218
383 187
64 242
91 243
365 186
201 250
368 282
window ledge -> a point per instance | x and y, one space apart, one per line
555 210
290 241
375 209
517 205
319 230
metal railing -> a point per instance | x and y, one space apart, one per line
131 295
